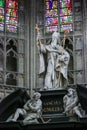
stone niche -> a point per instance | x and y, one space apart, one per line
52 105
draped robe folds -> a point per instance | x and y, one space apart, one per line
56 62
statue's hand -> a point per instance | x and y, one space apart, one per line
39 42
26 107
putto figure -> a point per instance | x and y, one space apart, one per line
71 104
56 65
31 111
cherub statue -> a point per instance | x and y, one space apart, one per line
71 104
31 111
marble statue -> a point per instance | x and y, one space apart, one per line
71 104
31 111
56 66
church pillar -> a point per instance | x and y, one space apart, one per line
85 36
32 45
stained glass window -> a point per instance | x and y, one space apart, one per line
58 14
65 15
9 15
2 5
51 15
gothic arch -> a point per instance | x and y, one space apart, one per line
11 60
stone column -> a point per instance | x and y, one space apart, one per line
85 36
31 50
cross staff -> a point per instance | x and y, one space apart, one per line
38 29
65 36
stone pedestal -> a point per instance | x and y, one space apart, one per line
52 107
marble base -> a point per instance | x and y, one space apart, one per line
52 105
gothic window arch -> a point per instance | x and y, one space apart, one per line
11 55
12 44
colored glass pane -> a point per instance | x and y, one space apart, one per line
65 11
2 19
12 12
51 21
51 4
11 15
1 22
51 29
2 3
66 27
11 20
65 3
11 28
12 4
51 15
65 19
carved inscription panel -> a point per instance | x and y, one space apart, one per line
52 105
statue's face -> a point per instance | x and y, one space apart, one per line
56 36
36 96
70 91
